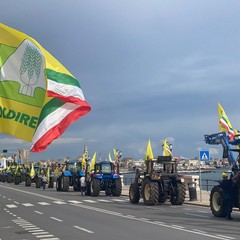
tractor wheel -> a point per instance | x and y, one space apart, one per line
118 188
216 202
178 194
58 184
162 195
38 181
51 182
65 183
150 192
4 178
134 193
28 181
17 180
95 187
88 188
9 178
108 191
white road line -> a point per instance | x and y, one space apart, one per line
38 212
83 229
226 237
89 201
36 230
33 228
197 230
60 202
16 202
50 238
11 206
44 203
73 201
45 236
9 199
103 200
57 219
39 233
118 200
27 204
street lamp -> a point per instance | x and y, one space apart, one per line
119 155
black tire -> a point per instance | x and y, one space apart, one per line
51 182
58 184
108 191
162 195
117 190
38 181
17 180
9 178
4 178
88 189
134 193
65 183
216 202
95 187
150 192
178 194
28 181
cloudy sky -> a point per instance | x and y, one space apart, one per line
149 69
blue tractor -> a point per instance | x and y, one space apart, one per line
216 197
104 178
70 177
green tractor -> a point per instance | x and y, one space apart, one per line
159 183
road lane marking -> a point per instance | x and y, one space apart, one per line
16 202
27 204
38 212
226 237
39 233
44 203
45 236
89 201
11 206
74 201
57 219
60 202
103 200
83 229
36 230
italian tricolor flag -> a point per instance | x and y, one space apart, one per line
39 97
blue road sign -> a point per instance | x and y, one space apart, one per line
204 156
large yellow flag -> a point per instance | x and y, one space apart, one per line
93 162
149 153
166 149
83 162
115 154
39 97
224 123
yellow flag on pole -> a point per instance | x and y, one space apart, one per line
149 153
39 97
166 149
224 123
93 162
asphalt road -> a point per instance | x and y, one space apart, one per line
28 213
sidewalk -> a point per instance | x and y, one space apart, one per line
202 197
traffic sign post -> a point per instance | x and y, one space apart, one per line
204 156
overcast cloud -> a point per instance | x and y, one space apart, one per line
149 70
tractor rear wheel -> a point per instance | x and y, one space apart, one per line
178 194
17 180
65 183
51 182
117 190
28 181
134 193
216 202
38 182
58 184
150 192
95 187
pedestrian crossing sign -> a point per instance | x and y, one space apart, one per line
204 156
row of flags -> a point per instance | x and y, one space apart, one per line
149 152
39 97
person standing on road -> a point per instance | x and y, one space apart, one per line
44 181
227 188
